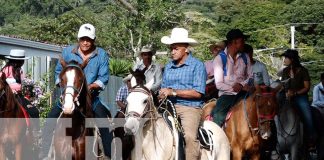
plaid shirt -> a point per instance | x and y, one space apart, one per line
190 75
122 94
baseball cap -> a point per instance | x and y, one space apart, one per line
87 30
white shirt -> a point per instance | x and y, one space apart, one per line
318 96
260 73
152 72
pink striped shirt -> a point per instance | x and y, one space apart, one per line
209 65
15 87
237 72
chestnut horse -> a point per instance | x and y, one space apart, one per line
76 106
13 124
250 123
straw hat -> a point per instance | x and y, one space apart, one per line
17 54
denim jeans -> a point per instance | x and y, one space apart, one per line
100 111
302 104
224 104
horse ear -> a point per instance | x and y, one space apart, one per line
149 84
133 82
63 63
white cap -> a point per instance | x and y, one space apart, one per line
87 30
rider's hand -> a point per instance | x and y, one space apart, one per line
165 92
290 94
237 87
93 86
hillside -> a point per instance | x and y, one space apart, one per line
123 27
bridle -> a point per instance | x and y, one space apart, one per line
78 90
262 118
149 108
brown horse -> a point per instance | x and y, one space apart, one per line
76 106
13 124
249 123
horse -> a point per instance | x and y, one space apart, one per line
289 127
249 123
155 140
76 106
14 124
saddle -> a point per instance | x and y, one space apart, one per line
204 136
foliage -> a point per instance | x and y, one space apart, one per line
123 33
119 67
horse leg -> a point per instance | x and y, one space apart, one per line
2 153
18 151
237 153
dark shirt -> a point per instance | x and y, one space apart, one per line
297 82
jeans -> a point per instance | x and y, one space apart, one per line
100 111
302 104
224 104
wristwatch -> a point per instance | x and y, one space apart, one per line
174 93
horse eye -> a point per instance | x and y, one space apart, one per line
145 101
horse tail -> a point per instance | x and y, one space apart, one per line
221 149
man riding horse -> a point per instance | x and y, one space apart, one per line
184 81
232 72
97 75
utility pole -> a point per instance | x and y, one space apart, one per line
292 30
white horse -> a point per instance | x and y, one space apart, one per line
154 140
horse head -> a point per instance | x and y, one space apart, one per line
266 106
73 84
139 102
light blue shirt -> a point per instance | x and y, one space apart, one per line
97 69
318 96
190 75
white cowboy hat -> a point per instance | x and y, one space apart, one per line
87 30
17 54
178 35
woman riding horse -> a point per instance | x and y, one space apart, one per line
14 77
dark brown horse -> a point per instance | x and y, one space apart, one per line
76 106
249 123
13 133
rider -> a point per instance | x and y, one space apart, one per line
184 82
232 72
259 69
215 49
123 93
97 75
14 77
297 89
151 69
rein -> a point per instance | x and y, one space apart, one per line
149 108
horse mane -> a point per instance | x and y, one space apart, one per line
10 101
140 79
